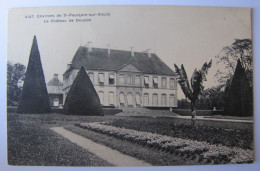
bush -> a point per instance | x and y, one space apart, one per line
112 111
82 98
187 112
34 98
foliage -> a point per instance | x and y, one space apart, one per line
242 138
82 98
210 98
15 77
34 98
241 49
183 104
192 92
239 94
178 146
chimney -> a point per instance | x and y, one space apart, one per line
148 51
108 49
132 51
89 46
68 66
56 76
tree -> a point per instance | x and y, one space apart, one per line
239 95
210 98
15 77
192 92
82 98
241 49
34 98
213 97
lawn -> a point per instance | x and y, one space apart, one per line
31 142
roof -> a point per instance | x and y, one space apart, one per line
55 82
100 59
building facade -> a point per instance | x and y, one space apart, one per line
125 79
55 91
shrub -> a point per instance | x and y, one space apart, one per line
34 98
82 98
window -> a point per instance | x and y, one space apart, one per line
172 83
129 99
137 99
128 80
111 79
155 100
172 100
137 80
121 79
155 82
121 98
56 102
111 98
164 102
101 97
146 82
101 78
91 77
163 82
146 99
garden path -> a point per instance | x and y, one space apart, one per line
112 156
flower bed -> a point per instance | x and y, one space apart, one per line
178 146
242 138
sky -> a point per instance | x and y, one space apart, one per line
180 35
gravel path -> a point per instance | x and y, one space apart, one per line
112 156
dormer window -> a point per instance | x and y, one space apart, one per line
146 82
155 82
111 79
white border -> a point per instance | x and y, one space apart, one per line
4 5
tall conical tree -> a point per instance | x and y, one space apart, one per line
82 98
240 94
34 98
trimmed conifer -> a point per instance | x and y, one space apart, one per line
82 98
34 98
240 94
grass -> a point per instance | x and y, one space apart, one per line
31 142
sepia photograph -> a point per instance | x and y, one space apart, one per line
130 86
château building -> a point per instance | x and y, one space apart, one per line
125 79
55 91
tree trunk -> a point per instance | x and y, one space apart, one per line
193 115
